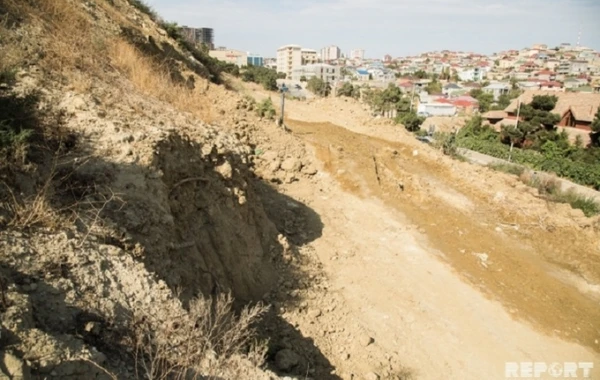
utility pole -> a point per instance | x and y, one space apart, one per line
283 90
412 97
516 127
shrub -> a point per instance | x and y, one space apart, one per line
261 75
588 205
266 109
318 86
145 8
508 168
208 340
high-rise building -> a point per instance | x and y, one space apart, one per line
309 57
199 36
289 58
330 53
357 54
255 60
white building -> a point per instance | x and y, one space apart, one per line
328 73
330 53
437 109
237 57
358 54
309 57
289 58
497 89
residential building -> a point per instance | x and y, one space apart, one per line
330 53
564 67
328 73
437 109
199 36
363 74
236 57
578 67
358 54
472 74
451 88
289 58
577 110
255 60
309 57
497 89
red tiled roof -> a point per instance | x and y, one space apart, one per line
463 103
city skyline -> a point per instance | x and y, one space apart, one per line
384 27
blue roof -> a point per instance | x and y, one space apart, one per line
362 72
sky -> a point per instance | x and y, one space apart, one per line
395 27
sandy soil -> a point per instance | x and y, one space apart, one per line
433 261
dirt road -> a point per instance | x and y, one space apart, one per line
433 270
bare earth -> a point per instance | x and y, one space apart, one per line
451 274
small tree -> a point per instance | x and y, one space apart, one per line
265 109
303 78
318 86
595 135
348 90
411 121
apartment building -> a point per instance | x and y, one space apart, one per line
289 58
255 60
358 54
239 58
330 53
323 71
199 36
309 57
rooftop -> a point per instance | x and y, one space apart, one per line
583 105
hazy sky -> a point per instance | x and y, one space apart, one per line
396 27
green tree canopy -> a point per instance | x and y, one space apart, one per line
485 100
261 75
318 86
349 90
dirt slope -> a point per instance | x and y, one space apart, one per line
439 256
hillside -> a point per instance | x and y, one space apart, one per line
154 226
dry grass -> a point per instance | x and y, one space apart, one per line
209 341
154 80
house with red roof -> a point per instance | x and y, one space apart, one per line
545 75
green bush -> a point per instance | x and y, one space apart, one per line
145 8
584 173
265 109
507 168
261 75
588 205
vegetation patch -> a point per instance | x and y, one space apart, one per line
265 109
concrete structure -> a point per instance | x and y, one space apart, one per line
199 36
236 57
358 54
309 57
323 71
289 58
330 53
579 67
497 89
451 88
255 60
475 74
437 109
